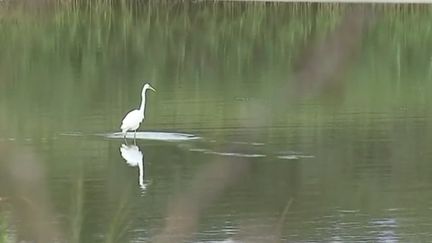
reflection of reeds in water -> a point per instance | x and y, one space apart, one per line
209 183
3 228
120 221
22 177
77 213
116 221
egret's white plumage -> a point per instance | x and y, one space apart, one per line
133 119
131 154
134 157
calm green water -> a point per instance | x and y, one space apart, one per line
287 122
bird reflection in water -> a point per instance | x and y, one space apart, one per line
134 157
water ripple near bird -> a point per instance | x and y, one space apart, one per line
184 137
160 136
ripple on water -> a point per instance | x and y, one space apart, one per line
294 157
232 154
160 136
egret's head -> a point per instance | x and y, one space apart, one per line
146 87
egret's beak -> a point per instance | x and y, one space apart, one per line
150 87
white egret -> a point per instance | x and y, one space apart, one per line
134 157
133 119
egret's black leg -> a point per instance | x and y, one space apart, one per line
134 138
125 138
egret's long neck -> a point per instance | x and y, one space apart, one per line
143 100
